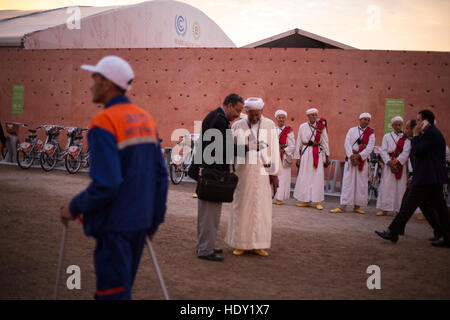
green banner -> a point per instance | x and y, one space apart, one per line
18 97
394 107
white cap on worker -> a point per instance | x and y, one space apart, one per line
279 112
365 115
254 104
397 118
311 111
114 69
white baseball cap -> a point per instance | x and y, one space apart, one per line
114 69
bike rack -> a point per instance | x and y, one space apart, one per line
330 185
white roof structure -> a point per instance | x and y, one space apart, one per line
151 24
297 38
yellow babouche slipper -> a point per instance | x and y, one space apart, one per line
359 210
420 217
304 204
278 202
319 206
238 252
194 195
261 252
381 213
337 210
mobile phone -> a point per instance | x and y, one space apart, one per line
424 124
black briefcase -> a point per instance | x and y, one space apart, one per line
216 185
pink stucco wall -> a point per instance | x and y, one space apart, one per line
179 86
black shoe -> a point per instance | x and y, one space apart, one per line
435 238
441 243
388 235
218 250
211 257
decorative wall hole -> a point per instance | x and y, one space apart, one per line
292 119
428 91
365 61
306 86
442 90
411 105
176 109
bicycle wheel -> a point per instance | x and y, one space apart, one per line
48 163
72 164
176 173
24 160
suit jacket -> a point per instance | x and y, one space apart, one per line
429 158
217 120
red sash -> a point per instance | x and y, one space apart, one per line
364 141
321 124
283 137
397 152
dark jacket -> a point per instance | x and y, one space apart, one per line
429 158
222 157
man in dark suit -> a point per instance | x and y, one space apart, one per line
208 211
428 147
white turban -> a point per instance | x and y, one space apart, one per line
279 112
365 115
311 111
254 104
395 119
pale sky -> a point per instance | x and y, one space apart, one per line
364 24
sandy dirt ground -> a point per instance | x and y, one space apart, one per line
314 255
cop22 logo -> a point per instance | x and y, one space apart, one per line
180 25
196 30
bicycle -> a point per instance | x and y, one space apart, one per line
29 150
75 156
375 170
179 164
51 152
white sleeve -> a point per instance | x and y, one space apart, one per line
384 150
324 142
348 144
298 144
369 148
403 157
290 144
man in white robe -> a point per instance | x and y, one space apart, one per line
392 188
250 222
309 186
287 146
359 144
